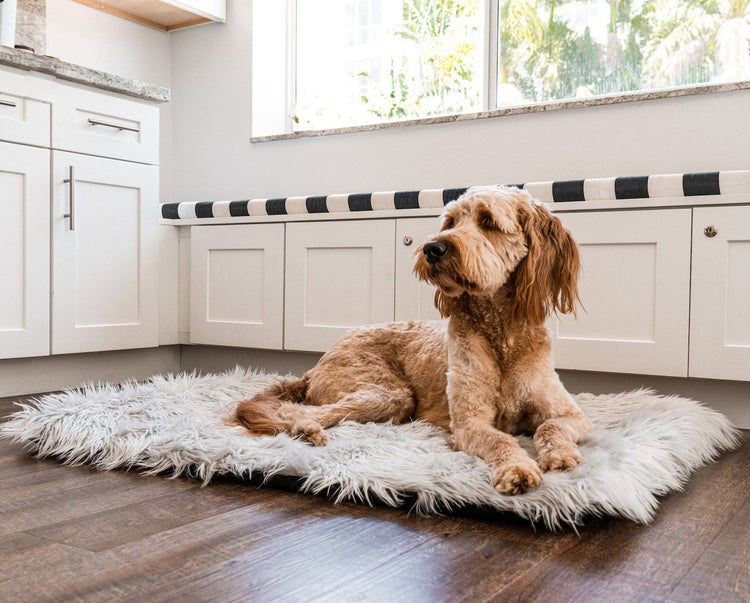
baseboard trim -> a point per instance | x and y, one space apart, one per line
731 398
22 376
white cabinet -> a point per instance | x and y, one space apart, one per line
24 248
79 234
237 285
105 290
339 275
635 289
165 15
645 312
22 119
415 300
720 300
98 124
216 10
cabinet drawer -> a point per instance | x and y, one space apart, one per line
22 119
107 126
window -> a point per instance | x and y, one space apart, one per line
321 64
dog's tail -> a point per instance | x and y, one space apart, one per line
260 414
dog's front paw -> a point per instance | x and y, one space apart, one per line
559 460
517 477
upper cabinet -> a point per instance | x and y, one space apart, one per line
166 15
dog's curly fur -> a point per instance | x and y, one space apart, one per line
501 263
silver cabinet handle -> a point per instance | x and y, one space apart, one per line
96 122
71 182
710 231
7 103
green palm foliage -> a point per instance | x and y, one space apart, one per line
445 33
545 53
699 40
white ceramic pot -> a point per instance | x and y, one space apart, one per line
7 22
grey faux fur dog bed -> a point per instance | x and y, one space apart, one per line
644 446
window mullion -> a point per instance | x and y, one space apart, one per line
291 64
491 10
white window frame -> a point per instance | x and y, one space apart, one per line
488 10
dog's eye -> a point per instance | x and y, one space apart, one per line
487 222
448 223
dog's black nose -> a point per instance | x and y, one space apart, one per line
434 251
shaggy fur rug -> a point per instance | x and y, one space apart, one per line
644 446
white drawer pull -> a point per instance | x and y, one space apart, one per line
96 122
7 103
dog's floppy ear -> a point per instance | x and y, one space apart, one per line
547 278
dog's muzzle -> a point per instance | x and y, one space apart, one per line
434 251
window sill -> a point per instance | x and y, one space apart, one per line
594 101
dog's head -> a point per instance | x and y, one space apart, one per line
496 237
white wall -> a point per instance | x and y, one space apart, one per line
213 158
92 38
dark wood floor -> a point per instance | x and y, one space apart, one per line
70 533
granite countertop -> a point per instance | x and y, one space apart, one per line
21 59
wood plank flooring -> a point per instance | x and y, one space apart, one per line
71 533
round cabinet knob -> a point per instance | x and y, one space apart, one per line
710 231
408 240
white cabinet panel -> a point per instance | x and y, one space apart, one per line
104 271
237 285
23 120
635 288
720 296
339 275
24 248
415 300
216 10
23 117
104 125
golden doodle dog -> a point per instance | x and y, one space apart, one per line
501 262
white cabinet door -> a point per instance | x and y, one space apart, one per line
339 275
635 287
237 285
415 300
104 271
24 248
720 296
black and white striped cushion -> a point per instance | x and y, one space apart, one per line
560 191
